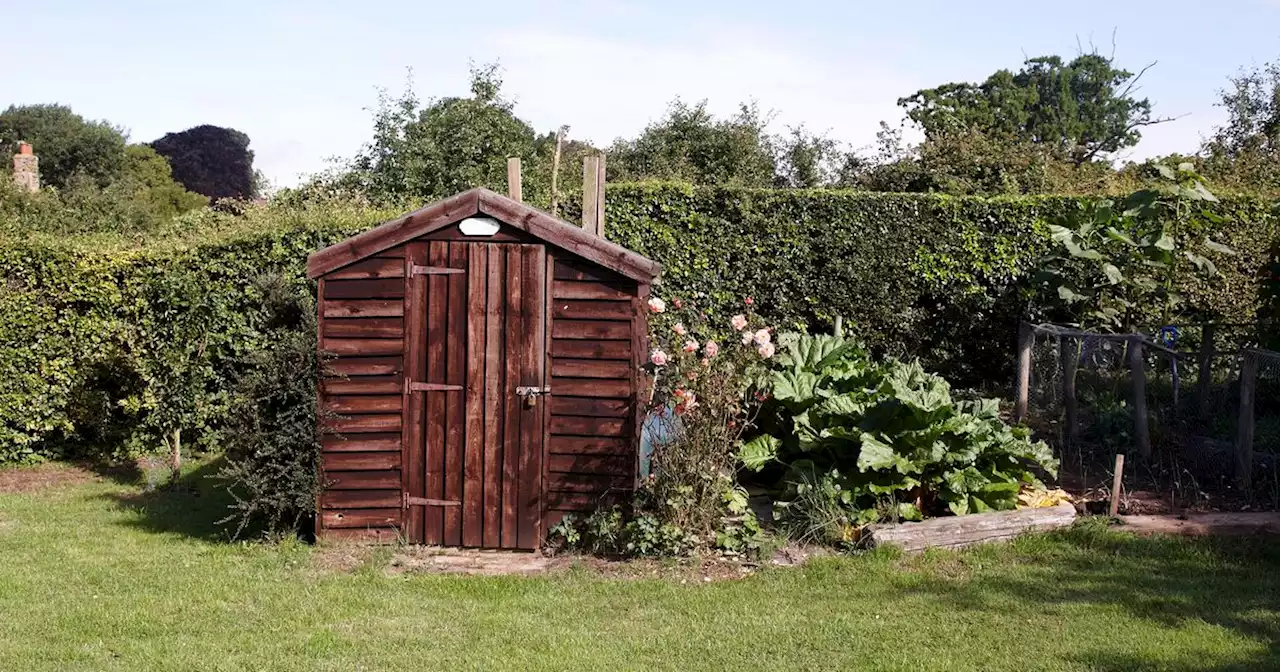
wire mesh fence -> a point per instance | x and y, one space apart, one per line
1170 401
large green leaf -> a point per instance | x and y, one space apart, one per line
877 454
796 387
758 452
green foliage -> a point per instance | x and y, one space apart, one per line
691 145
106 347
970 162
1080 109
420 154
271 438
878 439
148 176
1133 251
936 277
66 143
1244 153
210 160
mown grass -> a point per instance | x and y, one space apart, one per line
97 576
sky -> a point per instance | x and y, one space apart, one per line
301 79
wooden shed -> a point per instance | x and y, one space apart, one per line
486 375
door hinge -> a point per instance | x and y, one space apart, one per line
430 387
423 501
434 270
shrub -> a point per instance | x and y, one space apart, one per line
271 432
865 440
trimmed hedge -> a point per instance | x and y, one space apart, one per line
107 343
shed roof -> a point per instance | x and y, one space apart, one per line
481 201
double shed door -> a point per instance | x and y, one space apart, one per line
476 319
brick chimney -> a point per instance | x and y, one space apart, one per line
26 168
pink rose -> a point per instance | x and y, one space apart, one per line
656 305
766 350
690 346
711 348
658 357
749 301
677 303
739 322
679 329
746 337
762 337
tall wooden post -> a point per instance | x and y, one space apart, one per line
1022 381
555 172
1138 378
1204 380
1244 427
514 187
1070 356
593 194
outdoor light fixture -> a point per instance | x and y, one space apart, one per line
479 226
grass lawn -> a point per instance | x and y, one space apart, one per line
95 575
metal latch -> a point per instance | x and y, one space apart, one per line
530 393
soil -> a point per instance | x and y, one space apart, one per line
396 560
16 480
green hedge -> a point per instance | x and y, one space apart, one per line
107 342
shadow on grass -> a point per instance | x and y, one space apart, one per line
1233 583
190 507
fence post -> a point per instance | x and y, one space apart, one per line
1069 353
1138 377
1205 377
1244 427
1117 484
1022 382
515 188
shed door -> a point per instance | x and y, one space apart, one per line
476 368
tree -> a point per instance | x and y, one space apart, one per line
452 144
970 162
1080 110
1245 151
149 177
66 143
210 160
807 160
691 145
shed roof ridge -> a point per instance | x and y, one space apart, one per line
480 200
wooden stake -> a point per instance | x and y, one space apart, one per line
590 196
1244 426
555 172
600 195
514 187
175 456
1070 356
1116 484
1138 376
1022 382
1205 379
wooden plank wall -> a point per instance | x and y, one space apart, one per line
592 448
362 308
